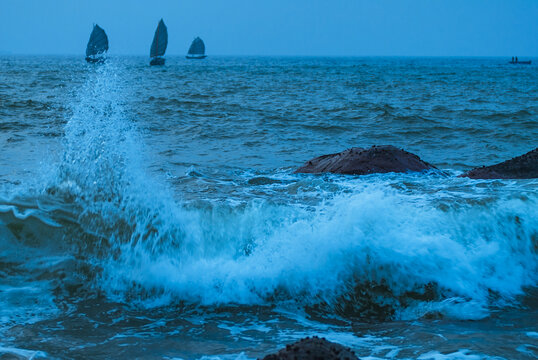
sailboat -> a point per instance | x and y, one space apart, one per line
159 44
97 45
197 49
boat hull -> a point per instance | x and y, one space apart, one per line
196 57
157 61
520 62
95 60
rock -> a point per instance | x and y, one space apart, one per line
359 161
521 167
313 349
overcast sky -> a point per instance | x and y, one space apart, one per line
277 27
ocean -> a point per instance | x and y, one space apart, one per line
154 212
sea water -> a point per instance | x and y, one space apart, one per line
154 212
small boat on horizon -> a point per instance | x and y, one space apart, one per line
159 44
97 45
197 50
516 61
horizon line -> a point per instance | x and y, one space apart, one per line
7 53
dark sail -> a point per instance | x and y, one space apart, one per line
98 43
197 47
160 40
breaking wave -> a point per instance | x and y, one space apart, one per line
370 247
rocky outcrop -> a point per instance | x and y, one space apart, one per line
521 167
312 349
359 161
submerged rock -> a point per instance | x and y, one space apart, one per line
359 161
312 349
520 167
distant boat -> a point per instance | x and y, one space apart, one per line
520 62
97 45
159 44
197 49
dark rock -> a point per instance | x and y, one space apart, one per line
359 161
521 167
313 349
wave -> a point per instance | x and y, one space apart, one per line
340 256
368 247
344 256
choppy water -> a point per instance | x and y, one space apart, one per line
153 212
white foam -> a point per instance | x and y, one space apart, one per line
377 235
240 356
27 354
462 354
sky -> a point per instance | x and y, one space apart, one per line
277 27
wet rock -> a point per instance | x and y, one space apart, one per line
521 167
359 161
313 348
